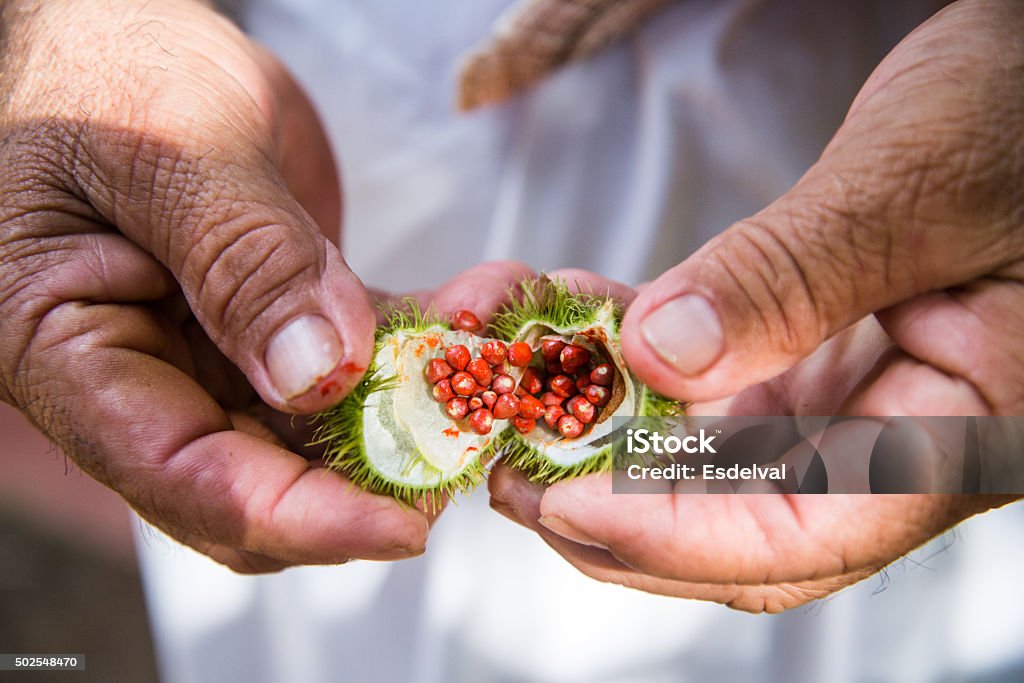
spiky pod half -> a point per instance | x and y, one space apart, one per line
388 435
549 309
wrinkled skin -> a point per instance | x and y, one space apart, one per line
888 281
165 194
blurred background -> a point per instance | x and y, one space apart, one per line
69 582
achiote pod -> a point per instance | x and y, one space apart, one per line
439 404
579 358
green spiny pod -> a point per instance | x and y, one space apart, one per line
547 314
398 434
389 435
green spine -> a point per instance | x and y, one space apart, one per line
551 303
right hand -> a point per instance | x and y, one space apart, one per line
153 157
757 553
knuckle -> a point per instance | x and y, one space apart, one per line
37 386
241 268
27 267
783 286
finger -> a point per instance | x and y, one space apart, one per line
584 281
520 501
204 192
747 539
143 427
215 373
248 424
283 430
900 384
912 195
266 286
970 336
514 496
482 289
293 433
239 561
818 385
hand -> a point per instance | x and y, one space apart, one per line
157 165
752 552
913 214
756 553
913 217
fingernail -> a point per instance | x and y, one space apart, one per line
302 354
686 333
568 531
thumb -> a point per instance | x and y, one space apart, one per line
915 193
206 195
269 289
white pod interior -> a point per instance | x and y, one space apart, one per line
409 438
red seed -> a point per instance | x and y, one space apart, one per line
481 421
502 368
481 371
520 354
437 370
503 384
553 367
523 425
457 408
603 374
494 351
597 395
489 398
563 386
582 381
573 358
551 349
532 381
569 426
463 384
476 403
550 398
506 406
458 356
466 320
442 391
552 415
531 408
582 409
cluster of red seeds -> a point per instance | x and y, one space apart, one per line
571 387
566 393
